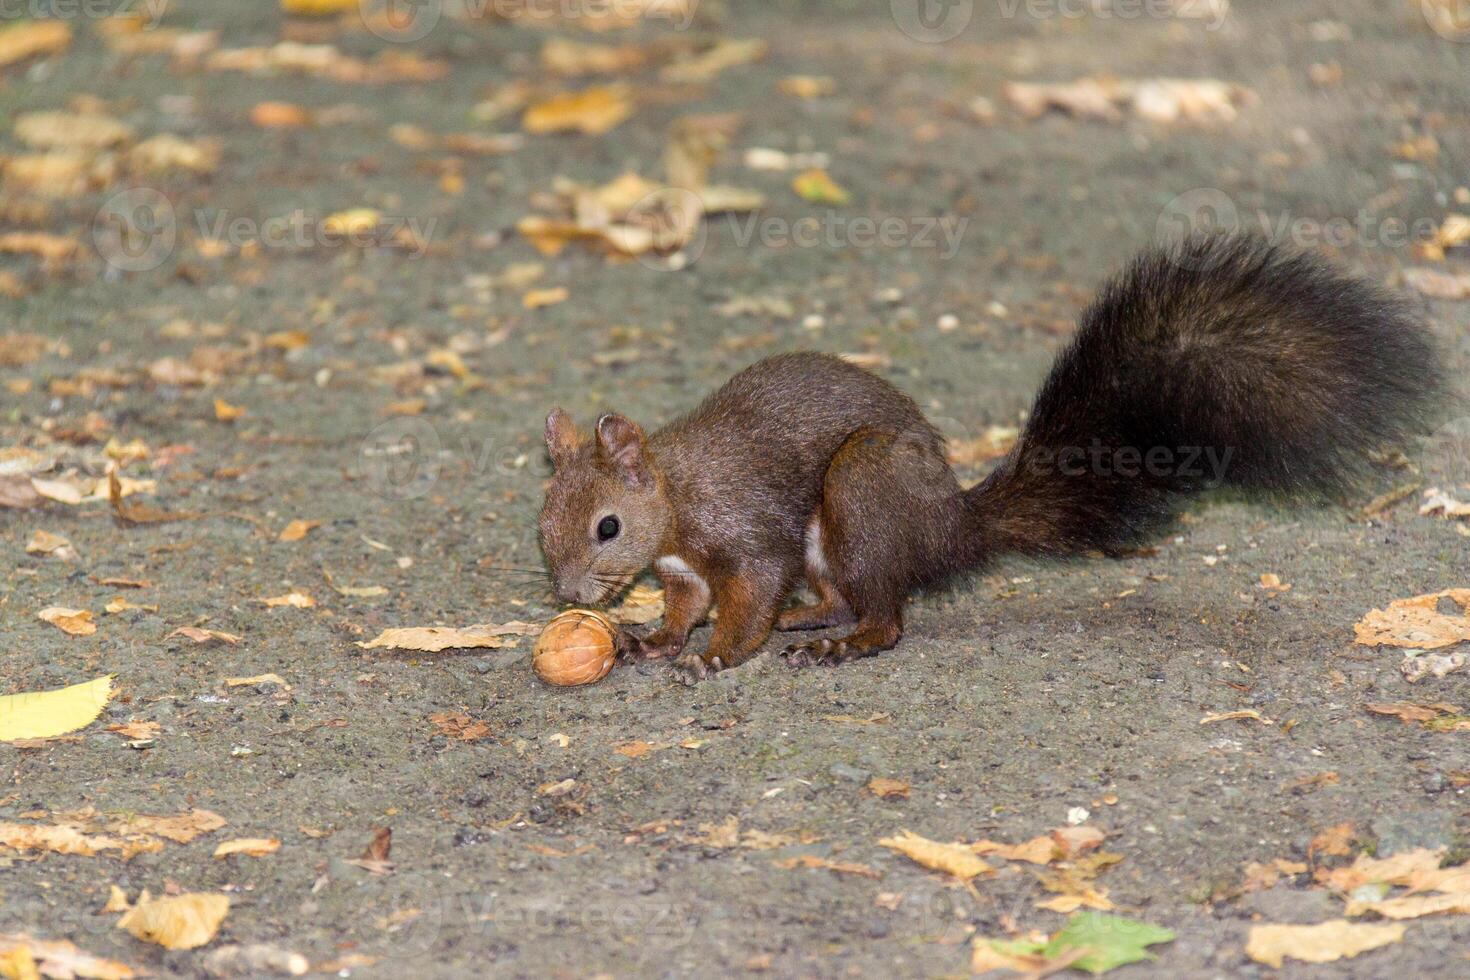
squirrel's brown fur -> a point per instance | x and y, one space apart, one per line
1226 361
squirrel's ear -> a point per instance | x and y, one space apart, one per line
561 436
621 442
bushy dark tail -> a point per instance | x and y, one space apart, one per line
1226 361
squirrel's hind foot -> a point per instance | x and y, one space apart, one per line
869 640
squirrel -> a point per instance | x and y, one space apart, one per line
1224 361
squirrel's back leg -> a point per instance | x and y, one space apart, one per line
830 609
888 502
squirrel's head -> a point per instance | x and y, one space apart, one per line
606 510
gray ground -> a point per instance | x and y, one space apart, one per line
1013 698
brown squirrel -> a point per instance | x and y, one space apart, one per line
1278 371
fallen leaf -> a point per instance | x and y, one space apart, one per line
538 298
279 115
204 636
726 53
953 859
185 921
432 639
592 111
1259 877
225 412
46 543
807 86
136 731
297 529
1109 941
258 679
1437 284
819 188
1409 712
134 513
460 726
74 622
1324 942
1245 714
1417 622
888 789
1038 850
117 604
879 718
637 750
1335 841
248 846
31 38
826 864
376 857
1396 869
296 600
55 958
1436 501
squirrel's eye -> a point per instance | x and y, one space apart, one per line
608 528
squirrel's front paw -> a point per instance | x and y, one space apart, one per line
691 668
631 646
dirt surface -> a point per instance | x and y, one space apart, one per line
1014 698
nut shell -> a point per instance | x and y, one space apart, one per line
575 648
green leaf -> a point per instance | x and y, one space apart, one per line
1111 940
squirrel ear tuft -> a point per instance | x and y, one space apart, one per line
621 442
561 436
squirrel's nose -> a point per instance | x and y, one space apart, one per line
565 593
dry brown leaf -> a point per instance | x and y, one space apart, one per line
58 839
1437 284
30 38
1245 714
1325 942
276 679
637 750
225 412
376 857
1037 850
1074 841
295 600
538 298
43 245
117 604
248 846
726 53
592 111
460 726
136 731
1396 869
807 86
571 58
993 443
297 529
185 921
953 859
58 959
827 864
279 115
1259 877
888 789
180 828
1412 906
204 636
432 639
1409 712
46 543
1417 622
73 622
1436 501
135 513
1335 841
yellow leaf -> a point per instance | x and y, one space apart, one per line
177 922
537 298
1322 943
827 864
204 636
24 958
257 679
46 543
248 846
807 86
225 412
819 188
47 714
74 622
593 111
953 859
352 222
319 8
32 37
297 530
